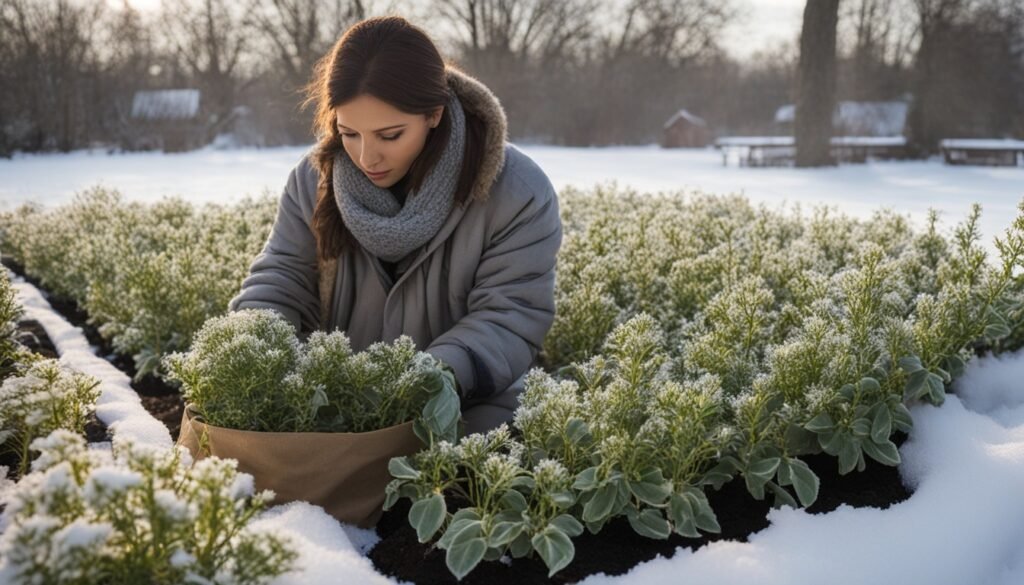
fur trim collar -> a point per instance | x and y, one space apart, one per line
479 100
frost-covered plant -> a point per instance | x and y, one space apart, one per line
620 439
134 515
45 398
247 370
13 355
513 510
148 275
234 374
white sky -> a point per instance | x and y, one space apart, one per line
759 24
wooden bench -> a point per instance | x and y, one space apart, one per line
981 151
766 151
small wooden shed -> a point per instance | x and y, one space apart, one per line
685 130
167 120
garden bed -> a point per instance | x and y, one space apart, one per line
161 399
618 548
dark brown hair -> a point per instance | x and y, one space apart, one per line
397 63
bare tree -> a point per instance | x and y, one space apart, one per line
211 38
490 32
668 30
49 49
969 71
299 32
816 85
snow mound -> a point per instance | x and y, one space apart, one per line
326 552
963 524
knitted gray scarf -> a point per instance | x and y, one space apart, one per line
379 223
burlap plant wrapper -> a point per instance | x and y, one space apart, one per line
346 473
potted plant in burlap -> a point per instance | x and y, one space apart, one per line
311 421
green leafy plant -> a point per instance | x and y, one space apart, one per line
45 398
13 355
620 439
247 370
136 515
700 341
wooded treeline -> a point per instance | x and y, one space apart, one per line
571 72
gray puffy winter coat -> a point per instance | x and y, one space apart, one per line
479 295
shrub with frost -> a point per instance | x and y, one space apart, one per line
248 371
47 397
134 515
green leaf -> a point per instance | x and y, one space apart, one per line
910 364
427 515
577 431
821 423
763 468
401 468
563 499
784 476
520 546
901 417
457 525
832 441
586 480
954 365
555 548
916 387
682 514
503 533
441 411
805 482
649 522
703 514
799 440
723 472
848 391
995 331
869 386
861 427
568 524
849 453
650 493
936 389
782 497
514 500
601 505
464 554
883 452
881 427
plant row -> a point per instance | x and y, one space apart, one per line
148 275
699 341
132 514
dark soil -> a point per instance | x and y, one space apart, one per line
617 549
161 399
32 335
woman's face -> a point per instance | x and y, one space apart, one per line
380 138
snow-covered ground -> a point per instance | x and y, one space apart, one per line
964 524
227 175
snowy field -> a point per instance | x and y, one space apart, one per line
963 525
227 175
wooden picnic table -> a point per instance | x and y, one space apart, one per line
983 151
763 151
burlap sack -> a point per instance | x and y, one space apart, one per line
346 473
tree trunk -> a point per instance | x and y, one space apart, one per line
816 87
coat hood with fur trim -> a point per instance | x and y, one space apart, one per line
479 100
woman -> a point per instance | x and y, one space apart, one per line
413 216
